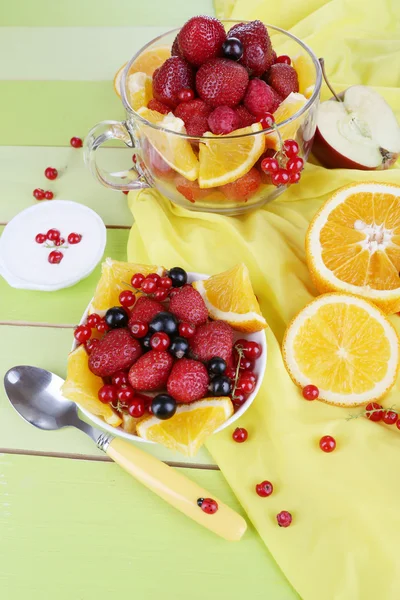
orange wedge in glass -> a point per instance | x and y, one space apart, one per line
293 103
147 62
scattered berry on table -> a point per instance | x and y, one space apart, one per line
138 329
201 39
188 381
82 333
216 366
223 120
48 195
240 435
160 341
127 298
390 417
264 489
76 142
51 173
116 351
74 238
125 394
283 58
55 257
232 48
145 310
185 95
107 394
39 193
179 347
221 81
284 518
188 306
374 411
120 378
310 392
53 235
173 75
186 330
151 371
163 406
212 339
257 48
178 276
91 344
136 408
208 505
283 78
137 280
164 321
116 317
327 443
40 238
220 386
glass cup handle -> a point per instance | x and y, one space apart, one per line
100 134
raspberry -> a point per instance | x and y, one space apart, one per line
172 76
223 120
244 187
259 97
283 78
257 49
277 100
197 126
116 351
213 339
188 380
151 371
158 106
245 117
201 39
175 50
221 82
190 189
145 309
189 306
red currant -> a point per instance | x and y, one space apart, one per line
291 148
185 95
155 277
49 195
134 158
138 329
82 333
377 413
107 394
126 192
284 518
239 398
398 423
230 372
246 364
264 489
76 142
91 344
390 417
295 165
165 282
53 235
294 177
283 58
119 379
102 327
280 178
327 443
267 120
160 294
137 280
41 238
310 392
39 193
240 435
51 173
125 394
149 286
250 349
208 505
55 257
127 298
270 165
186 330
93 320
160 341
246 382
136 408
74 238
59 242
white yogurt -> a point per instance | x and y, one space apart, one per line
24 263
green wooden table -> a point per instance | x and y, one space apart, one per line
73 526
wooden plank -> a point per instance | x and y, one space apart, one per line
48 347
90 530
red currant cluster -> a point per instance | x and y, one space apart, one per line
153 285
242 375
375 412
83 333
123 398
53 235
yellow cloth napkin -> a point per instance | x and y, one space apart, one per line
344 540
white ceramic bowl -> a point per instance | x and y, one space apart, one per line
260 366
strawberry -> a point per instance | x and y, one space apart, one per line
283 78
190 189
173 75
151 371
245 117
244 187
197 126
188 380
116 351
221 81
257 48
223 120
189 306
158 106
145 309
259 98
175 50
201 39
194 114
212 339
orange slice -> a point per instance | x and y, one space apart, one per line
82 386
229 297
353 243
306 74
140 88
192 423
147 62
345 346
293 103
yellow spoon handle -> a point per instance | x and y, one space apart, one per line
176 489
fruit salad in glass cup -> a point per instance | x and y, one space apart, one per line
221 115
166 356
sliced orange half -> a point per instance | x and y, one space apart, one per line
147 62
345 346
353 243
293 103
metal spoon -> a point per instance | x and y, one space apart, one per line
35 394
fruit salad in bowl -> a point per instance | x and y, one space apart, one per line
167 356
222 115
